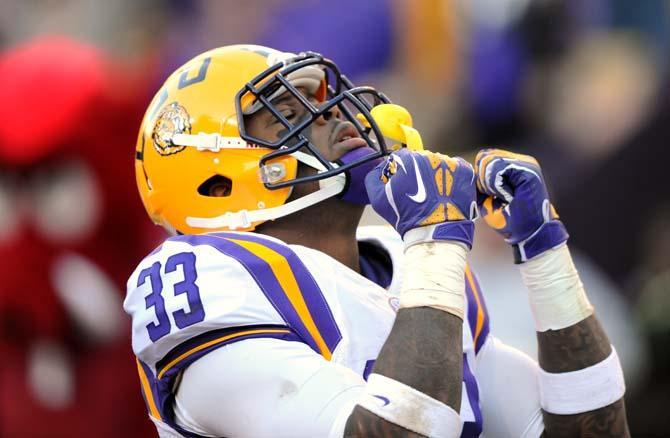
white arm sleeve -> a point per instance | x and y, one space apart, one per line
509 392
266 387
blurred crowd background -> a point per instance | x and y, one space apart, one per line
582 85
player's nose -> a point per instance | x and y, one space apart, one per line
329 114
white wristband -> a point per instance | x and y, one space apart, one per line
584 390
405 406
434 276
555 291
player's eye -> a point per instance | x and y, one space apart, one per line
289 114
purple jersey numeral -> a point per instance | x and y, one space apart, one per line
182 318
188 286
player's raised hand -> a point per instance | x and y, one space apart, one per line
513 200
428 191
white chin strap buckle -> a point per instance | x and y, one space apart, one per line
238 219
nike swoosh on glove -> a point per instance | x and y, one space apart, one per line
513 200
412 189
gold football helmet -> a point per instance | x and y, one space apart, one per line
193 135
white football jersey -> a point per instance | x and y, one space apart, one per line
197 293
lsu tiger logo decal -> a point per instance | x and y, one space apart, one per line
173 119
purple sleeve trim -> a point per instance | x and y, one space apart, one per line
189 351
471 429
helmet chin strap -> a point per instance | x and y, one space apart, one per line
329 187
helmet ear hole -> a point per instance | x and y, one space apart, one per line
217 186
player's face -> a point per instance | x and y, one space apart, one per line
332 136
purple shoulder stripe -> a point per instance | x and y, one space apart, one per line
311 292
264 276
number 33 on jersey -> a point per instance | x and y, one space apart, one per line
181 317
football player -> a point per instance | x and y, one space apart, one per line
271 313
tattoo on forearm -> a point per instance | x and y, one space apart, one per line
606 422
425 351
574 348
363 423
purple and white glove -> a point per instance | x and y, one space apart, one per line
425 196
513 200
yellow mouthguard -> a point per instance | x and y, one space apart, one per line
395 123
